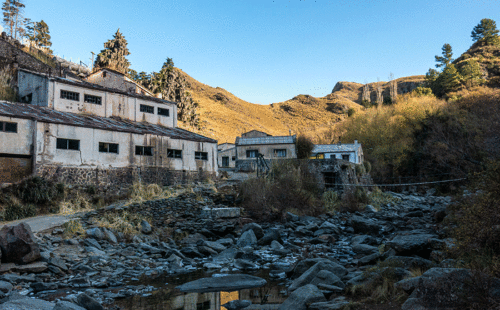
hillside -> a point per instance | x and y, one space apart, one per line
224 116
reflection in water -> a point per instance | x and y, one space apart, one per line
169 298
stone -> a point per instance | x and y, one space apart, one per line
146 227
270 236
193 238
312 272
364 239
26 303
59 263
108 235
230 283
330 227
304 265
237 304
5 287
290 217
215 246
17 244
92 242
247 239
95 233
365 225
369 259
43 286
302 297
335 304
245 264
364 249
412 244
66 305
88 302
327 277
32 268
216 213
409 262
95 251
257 229
15 278
275 245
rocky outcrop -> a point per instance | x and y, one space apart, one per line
18 244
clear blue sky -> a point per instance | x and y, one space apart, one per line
266 51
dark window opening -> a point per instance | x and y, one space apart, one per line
104 74
233 158
92 99
8 127
70 95
252 153
174 153
280 153
144 150
345 157
201 155
203 305
68 144
164 112
27 99
108 147
331 180
225 161
147 109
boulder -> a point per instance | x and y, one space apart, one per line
247 239
409 262
412 244
88 302
364 225
364 249
18 244
328 278
302 297
43 286
108 235
337 303
308 276
290 217
230 283
257 229
19 302
66 305
146 227
237 304
95 233
270 236
304 265
364 239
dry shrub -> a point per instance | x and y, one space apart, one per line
289 186
353 200
140 192
124 222
16 210
78 203
73 228
379 287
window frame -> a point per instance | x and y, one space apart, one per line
201 155
256 152
140 150
160 112
3 127
66 94
67 143
88 99
174 153
346 155
279 151
108 148
144 108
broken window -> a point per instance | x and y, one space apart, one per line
164 112
143 150
65 94
171 153
201 155
280 153
233 158
252 153
345 157
8 127
147 109
108 147
92 99
68 144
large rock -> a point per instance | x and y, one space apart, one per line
88 302
409 262
364 225
66 305
146 227
302 297
328 278
230 283
237 304
257 229
306 264
18 244
19 302
335 304
95 233
270 236
308 276
412 244
247 239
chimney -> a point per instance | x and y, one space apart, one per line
355 142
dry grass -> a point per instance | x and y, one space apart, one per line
79 203
73 228
140 192
124 222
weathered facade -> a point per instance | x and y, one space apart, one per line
351 152
113 79
74 148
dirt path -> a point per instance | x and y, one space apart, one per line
41 223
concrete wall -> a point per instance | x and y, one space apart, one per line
17 143
231 156
254 134
36 85
111 80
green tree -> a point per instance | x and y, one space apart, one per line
446 59
8 17
42 36
304 147
113 56
450 79
471 73
485 31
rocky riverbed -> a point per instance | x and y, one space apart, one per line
317 258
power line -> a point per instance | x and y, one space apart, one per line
402 184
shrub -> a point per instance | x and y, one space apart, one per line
422 91
289 186
378 198
140 192
73 228
37 191
368 166
351 112
331 201
360 170
124 222
15 210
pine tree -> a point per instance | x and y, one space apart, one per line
12 17
18 18
446 59
485 31
471 73
8 16
42 36
113 56
450 79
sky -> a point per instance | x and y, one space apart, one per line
267 51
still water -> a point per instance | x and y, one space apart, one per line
169 298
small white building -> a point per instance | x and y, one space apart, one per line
352 152
227 155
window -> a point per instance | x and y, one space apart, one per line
174 153
280 153
8 127
147 109
233 158
104 74
201 155
203 305
92 99
252 153
144 150
68 144
108 147
225 161
70 95
345 157
164 112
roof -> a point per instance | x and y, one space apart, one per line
99 87
46 115
255 130
265 140
333 148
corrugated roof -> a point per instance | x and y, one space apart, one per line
332 148
46 115
265 140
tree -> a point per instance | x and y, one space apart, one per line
42 36
485 31
18 15
8 16
114 53
446 59
471 73
450 79
29 32
304 147
12 17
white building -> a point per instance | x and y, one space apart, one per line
352 152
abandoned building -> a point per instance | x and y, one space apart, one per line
89 149
227 155
351 152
